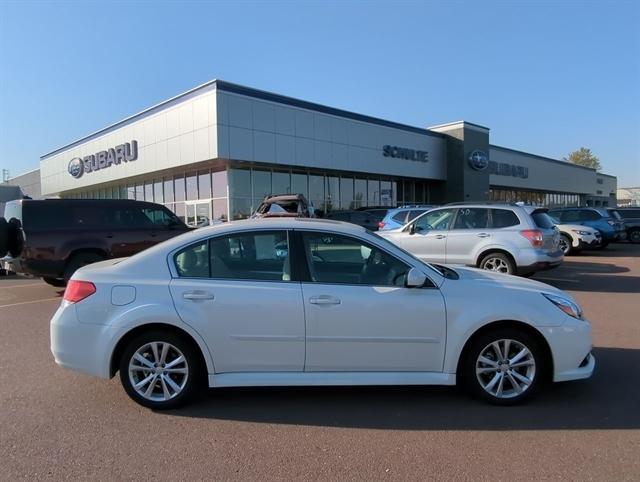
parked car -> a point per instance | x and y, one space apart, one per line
611 228
293 302
365 219
396 218
52 238
575 237
508 238
631 219
285 206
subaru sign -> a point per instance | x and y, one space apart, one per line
126 152
478 160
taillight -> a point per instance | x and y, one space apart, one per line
381 225
534 236
78 290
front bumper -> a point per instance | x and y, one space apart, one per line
585 370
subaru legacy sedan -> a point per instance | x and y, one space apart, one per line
293 302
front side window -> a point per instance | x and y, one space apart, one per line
471 218
344 260
439 219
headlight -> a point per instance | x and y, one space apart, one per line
582 233
565 304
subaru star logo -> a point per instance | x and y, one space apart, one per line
76 167
479 160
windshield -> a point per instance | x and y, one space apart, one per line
390 245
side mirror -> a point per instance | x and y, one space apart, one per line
415 278
412 228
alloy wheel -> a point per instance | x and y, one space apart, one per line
564 245
634 236
505 368
496 264
158 371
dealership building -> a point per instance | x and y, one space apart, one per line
217 150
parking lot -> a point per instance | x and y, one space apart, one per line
59 424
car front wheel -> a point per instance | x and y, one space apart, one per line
565 244
159 370
504 367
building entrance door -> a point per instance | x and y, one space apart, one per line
198 213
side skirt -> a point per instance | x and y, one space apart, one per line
296 379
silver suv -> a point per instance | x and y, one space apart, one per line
508 238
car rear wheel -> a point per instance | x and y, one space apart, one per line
78 261
498 262
504 367
565 244
160 370
634 236
57 282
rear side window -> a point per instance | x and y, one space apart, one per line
471 218
400 217
160 216
503 218
589 215
570 216
193 261
542 220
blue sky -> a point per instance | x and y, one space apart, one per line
547 76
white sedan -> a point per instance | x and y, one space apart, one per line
311 302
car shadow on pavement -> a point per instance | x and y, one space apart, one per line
610 400
582 276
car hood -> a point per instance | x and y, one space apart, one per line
506 281
576 227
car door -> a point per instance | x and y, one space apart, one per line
426 236
359 315
236 291
469 232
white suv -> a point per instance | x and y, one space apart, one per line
508 238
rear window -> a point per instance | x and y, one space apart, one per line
415 213
542 220
503 218
624 213
400 217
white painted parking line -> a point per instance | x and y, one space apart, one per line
564 280
23 286
30 302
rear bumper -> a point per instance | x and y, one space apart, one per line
542 261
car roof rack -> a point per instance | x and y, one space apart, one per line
489 203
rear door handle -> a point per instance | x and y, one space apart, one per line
440 236
324 300
483 235
197 295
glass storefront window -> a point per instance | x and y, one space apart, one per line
316 190
373 192
240 208
346 193
131 192
178 186
192 187
333 194
139 192
239 183
386 193
168 190
204 185
148 191
157 192
359 193
219 183
281 183
220 213
261 185
409 196
419 191
299 184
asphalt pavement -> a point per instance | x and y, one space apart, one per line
58 424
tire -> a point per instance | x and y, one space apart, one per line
182 386
482 379
566 244
634 236
57 282
498 262
4 237
15 237
78 261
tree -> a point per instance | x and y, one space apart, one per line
584 157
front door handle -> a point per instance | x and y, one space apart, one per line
440 236
483 235
324 300
197 295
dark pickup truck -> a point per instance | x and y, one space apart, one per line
52 238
